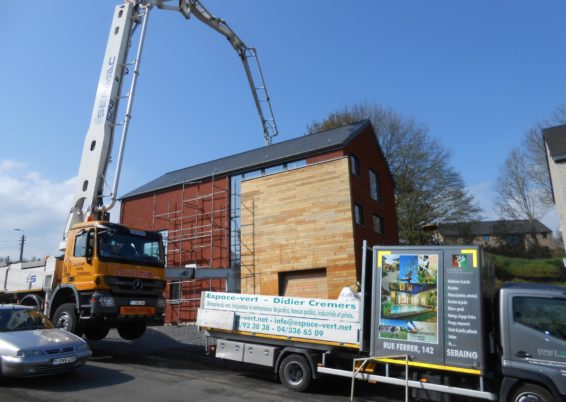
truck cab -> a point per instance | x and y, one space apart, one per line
110 276
532 338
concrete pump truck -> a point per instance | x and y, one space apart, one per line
111 275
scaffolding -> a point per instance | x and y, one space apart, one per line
247 248
197 235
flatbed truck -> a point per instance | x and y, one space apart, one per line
420 322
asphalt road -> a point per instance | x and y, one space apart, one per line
169 364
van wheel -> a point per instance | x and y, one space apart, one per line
96 333
132 330
295 372
531 393
66 317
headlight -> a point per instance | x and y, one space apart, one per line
28 353
106 301
160 303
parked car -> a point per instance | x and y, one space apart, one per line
30 345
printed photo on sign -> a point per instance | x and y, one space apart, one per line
409 298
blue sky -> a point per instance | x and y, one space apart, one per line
478 74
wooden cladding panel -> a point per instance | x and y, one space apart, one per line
298 220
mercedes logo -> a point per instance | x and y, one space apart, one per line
138 284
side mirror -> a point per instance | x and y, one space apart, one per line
89 252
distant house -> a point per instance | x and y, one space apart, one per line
512 233
555 142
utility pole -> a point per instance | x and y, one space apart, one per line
22 242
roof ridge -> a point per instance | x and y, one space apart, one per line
267 146
306 145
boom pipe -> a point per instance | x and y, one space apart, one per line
128 113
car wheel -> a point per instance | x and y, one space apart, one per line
96 333
66 317
131 331
531 393
295 372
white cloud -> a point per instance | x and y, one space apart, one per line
35 204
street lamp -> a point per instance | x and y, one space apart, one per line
22 242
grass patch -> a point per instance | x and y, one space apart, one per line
522 269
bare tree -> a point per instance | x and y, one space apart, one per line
534 152
517 195
427 188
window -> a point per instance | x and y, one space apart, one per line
378 224
175 290
542 314
80 244
358 214
374 185
544 235
355 164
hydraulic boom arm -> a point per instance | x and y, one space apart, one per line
97 149
260 94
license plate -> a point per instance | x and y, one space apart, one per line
126 310
64 360
137 303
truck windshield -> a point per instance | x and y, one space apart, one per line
130 248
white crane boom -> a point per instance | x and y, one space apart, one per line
96 156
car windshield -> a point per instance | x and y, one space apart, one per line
129 248
22 320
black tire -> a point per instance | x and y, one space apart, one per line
531 393
66 317
295 373
96 333
132 330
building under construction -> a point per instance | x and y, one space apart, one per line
285 219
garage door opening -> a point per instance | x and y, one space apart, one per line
304 283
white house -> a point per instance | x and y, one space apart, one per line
555 141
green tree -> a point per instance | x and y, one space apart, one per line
427 188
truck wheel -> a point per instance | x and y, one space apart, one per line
34 301
66 317
96 333
132 330
531 393
295 372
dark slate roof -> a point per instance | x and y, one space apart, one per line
491 228
297 148
555 138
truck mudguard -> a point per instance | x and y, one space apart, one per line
32 300
55 293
